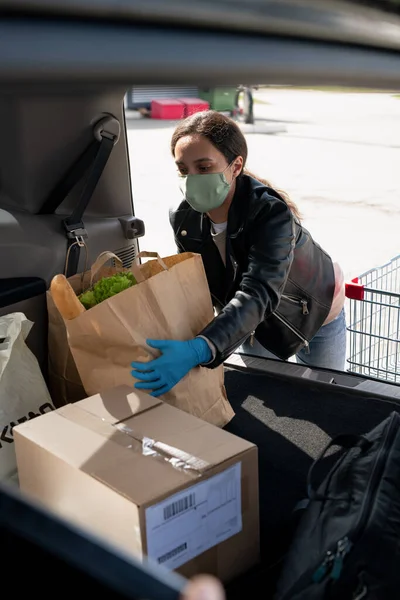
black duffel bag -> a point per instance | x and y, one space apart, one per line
347 544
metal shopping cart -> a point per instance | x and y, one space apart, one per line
374 323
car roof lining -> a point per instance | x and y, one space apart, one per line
355 22
30 53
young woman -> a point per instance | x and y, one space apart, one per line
275 290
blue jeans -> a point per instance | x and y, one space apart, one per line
327 347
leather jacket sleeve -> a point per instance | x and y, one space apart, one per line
272 242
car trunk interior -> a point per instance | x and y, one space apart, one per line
291 416
290 420
290 413
44 134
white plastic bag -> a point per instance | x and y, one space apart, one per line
23 391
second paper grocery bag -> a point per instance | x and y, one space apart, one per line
171 302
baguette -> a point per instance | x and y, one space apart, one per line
65 298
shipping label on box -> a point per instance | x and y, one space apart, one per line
193 521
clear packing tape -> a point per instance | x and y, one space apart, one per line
183 461
178 459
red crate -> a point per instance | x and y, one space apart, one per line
167 109
194 105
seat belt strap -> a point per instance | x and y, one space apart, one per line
95 158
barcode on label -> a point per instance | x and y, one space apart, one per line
172 553
175 508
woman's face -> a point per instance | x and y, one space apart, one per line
195 154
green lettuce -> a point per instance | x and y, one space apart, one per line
106 288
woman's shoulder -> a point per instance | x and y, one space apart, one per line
261 197
258 188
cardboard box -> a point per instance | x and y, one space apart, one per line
149 477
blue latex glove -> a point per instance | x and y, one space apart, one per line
176 360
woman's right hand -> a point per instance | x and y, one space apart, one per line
204 587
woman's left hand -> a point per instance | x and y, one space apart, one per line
176 360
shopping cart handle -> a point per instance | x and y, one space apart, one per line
354 290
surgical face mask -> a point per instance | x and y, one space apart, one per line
205 192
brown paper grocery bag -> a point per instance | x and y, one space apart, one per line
171 301
64 381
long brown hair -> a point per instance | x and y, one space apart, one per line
228 138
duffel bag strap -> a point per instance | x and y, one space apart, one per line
346 441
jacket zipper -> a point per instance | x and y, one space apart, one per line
253 333
301 301
218 300
289 326
234 235
332 562
298 301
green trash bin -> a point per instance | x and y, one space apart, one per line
221 99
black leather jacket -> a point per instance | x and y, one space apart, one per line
278 283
